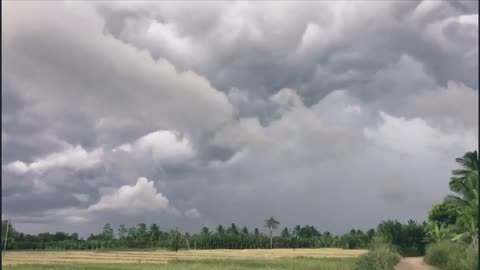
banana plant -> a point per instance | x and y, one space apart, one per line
437 232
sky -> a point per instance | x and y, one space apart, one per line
332 114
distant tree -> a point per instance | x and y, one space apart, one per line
285 233
256 231
307 232
271 224
244 230
122 232
154 234
220 229
142 234
132 233
296 230
233 229
74 237
370 234
107 232
205 231
12 234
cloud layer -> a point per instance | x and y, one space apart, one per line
335 114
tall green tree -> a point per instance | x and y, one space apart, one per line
220 229
464 183
12 234
271 224
107 235
154 234
205 231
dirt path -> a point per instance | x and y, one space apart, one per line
414 263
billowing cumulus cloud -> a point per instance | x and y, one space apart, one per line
128 112
142 197
162 146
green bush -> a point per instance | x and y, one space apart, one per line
452 256
381 256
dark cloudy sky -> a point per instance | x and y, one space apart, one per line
334 114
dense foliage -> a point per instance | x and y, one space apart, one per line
450 255
408 239
453 225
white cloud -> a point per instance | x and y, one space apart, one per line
287 98
236 158
192 213
72 157
17 167
143 197
164 146
470 19
81 197
415 137
246 131
124 147
456 103
355 109
76 219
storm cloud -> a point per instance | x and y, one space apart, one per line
335 114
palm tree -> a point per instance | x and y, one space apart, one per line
464 183
271 224
205 231
220 229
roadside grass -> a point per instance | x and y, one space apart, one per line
452 256
381 256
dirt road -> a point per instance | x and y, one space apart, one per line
414 263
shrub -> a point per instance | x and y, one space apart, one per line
438 253
381 256
452 256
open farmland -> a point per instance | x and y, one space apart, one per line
155 257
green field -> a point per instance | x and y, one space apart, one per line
281 259
239 264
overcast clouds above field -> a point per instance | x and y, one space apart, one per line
334 114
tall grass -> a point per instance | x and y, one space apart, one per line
452 256
381 256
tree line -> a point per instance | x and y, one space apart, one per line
407 236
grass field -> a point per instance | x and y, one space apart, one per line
328 259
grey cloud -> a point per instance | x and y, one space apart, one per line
366 106
316 54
